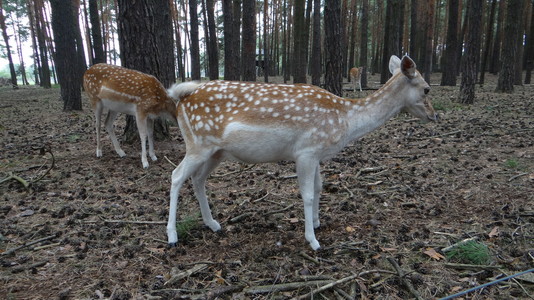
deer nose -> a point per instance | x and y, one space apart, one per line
427 89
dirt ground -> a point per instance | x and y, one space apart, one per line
95 228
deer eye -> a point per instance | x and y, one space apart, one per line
427 90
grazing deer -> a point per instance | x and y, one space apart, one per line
131 92
259 122
356 77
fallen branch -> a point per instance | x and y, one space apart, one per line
213 294
233 172
32 266
175 276
470 267
327 286
517 176
403 279
11 251
283 287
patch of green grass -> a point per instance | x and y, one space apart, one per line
511 163
73 138
184 227
446 105
471 252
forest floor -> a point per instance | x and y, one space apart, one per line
89 228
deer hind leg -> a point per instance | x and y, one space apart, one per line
189 166
318 186
142 126
306 173
151 153
112 115
199 186
98 115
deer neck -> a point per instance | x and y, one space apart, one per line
367 114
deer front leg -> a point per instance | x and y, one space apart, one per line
306 170
151 153
142 127
185 169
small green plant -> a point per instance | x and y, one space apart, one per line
471 252
184 227
511 163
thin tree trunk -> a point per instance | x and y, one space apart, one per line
529 51
249 41
316 44
334 57
450 60
489 40
8 49
505 84
469 64
195 48
96 33
364 61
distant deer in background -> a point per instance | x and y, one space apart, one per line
356 77
131 92
259 122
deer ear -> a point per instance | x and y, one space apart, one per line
394 64
408 67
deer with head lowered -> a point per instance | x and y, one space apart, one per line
260 122
356 77
122 90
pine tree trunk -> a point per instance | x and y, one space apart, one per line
489 40
66 55
333 56
469 64
529 51
96 33
364 61
228 28
44 72
299 66
249 41
316 44
450 60
195 47
8 50
505 84
213 43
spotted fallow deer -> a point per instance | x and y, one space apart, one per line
356 77
122 90
259 122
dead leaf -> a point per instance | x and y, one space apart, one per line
433 254
494 232
293 220
388 249
349 229
220 279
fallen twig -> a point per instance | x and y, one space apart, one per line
233 172
327 287
282 287
213 294
469 267
517 176
175 276
35 265
306 256
11 251
402 275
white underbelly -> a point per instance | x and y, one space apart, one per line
122 107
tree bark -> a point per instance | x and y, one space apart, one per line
40 26
228 28
8 49
505 83
299 63
529 51
96 33
364 61
249 41
195 47
316 44
334 57
472 51
213 42
66 55
450 60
